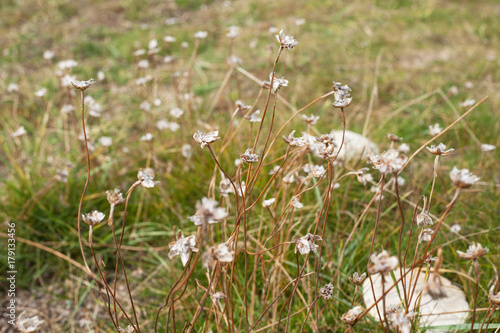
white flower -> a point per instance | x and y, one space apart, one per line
183 246
425 235
389 162
268 202
249 157
101 76
299 22
294 142
462 178
233 60
469 85
382 263
146 178
201 34
144 63
219 253
233 32
153 43
314 170
435 129
342 95
225 187
13 87
217 296
487 147
93 107
401 320
184 45
404 148
93 218
205 138
352 315
306 244
82 85
48 54
145 106
169 39
67 108
358 279
311 120
326 291
41 92
20 131
455 228
171 20
147 137
296 203
289 178
176 112
453 90
363 177
474 252
106 141
207 212
286 42
186 150
440 150
277 82
67 64
254 117
143 80
139 52
274 170
467 103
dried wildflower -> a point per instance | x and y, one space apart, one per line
233 32
455 228
394 138
115 197
294 142
219 253
289 178
207 212
217 296
62 175
225 187
254 117
144 63
128 329
233 60
205 138
306 244
423 219
404 148
105 141
494 299
351 316
201 35
240 189
435 129
48 54
311 120
268 202
296 203
41 92
275 169
299 22
462 178
363 177
146 178
487 147
400 320
358 279
468 85
389 162
82 85
240 106
249 157
153 47
474 252
326 291
176 112
143 80
67 108
183 247
314 170
66 64
378 193
382 263
94 108
186 150
147 137
20 131
467 103
342 95
286 42
425 235
145 105
277 82
169 39
12 88
440 150
453 90
93 218
28 325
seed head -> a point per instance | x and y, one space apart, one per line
146 178
474 252
306 244
286 42
351 316
254 117
183 246
207 212
462 178
326 291
358 279
206 138
382 263
93 218
248 157
82 85
440 150
268 202
115 197
342 95
294 142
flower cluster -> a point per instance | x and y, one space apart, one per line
306 244
207 212
462 178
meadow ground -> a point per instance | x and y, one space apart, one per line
409 65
